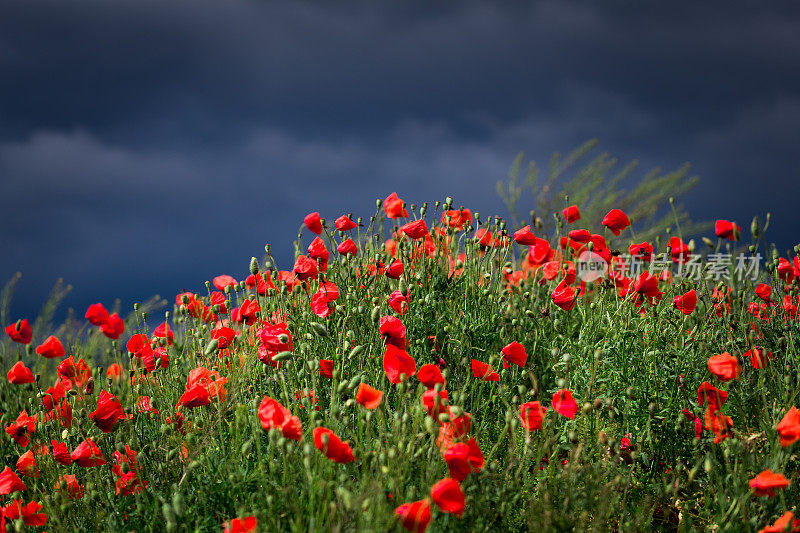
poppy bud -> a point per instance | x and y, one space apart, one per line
319 329
212 347
708 242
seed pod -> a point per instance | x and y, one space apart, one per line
354 382
177 503
212 347
355 352
319 329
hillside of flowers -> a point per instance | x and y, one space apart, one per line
424 368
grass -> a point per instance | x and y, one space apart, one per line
628 460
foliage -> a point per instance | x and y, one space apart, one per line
628 461
597 187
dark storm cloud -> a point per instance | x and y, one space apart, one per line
147 146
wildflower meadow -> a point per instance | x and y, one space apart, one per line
423 368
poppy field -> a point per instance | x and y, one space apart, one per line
423 368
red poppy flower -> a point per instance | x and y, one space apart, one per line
484 371
114 372
347 247
724 366
195 396
646 287
456 429
334 449
758 356
20 374
716 398
532 415
785 270
767 482
343 223
113 327
415 230
199 310
764 291
29 513
394 207
248 524
219 299
72 373
462 459
313 222
787 522
329 290
224 280
396 363
679 250
223 335
398 302
643 251
514 353
26 464
305 268
88 454
23 426
727 230
429 375
393 331
108 413
572 214
564 296
144 405
369 397
261 281
318 252
63 414
447 494
97 315
163 331
326 368
789 427
524 236
685 303
20 331
415 516
61 453
274 415
395 269
719 424
139 346
320 305
276 337
210 380
565 404
457 218
51 348
580 235
69 486
434 402
616 221
10 482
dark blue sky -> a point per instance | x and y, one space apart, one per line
146 146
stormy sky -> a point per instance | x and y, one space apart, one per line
147 146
